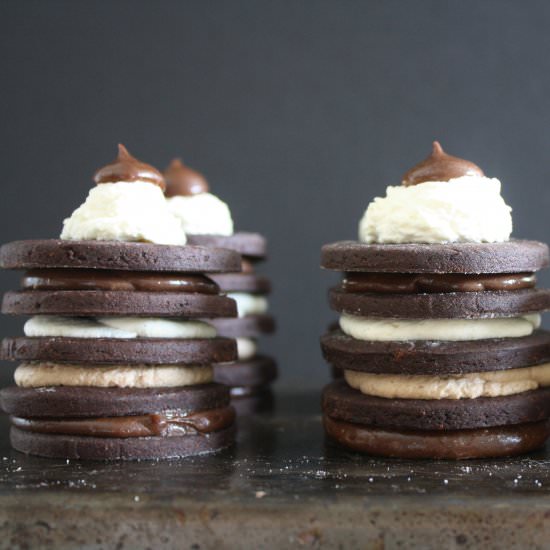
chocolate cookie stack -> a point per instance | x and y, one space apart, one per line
115 364
439 342
250 376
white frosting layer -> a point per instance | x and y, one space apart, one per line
363 328
116 327
202 214
246 348
465 209
464 386
249 304
124 211
135 376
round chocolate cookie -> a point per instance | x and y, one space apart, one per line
253 245
242 282
516 256
259 371
435 357
91 303
341 402
111 351
83 402
110 448
52 253
456 305
494 442
250 326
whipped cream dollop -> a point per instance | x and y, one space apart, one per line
124 211
199 211
442 200
203 214
127 204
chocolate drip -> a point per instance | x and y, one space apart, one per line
166 424
405 283
84 279
440 166
183 181
127 168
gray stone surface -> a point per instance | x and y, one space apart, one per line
281 487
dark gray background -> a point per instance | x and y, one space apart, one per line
298 112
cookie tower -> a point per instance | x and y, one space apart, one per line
439 335
115 363
207 222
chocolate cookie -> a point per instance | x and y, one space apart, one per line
253 245
110 351
435 357
495 442
52 253
459 305
83 402
109 448
259 371
242 282
341 402
516 256
90 303
250 326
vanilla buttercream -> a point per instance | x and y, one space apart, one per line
364 328
116 327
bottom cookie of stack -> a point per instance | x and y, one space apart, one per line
436 428
110 423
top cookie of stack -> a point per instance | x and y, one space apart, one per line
116 359
439 338
207 222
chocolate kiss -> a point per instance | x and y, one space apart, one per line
184 181
127 168
440 166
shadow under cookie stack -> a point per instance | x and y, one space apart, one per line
207 222
439 337
116 362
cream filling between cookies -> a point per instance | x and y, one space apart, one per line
33 375
364 328
249 304
246 348
461 386
116 327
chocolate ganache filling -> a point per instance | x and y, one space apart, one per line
412 283
89 279
165 424
479 442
